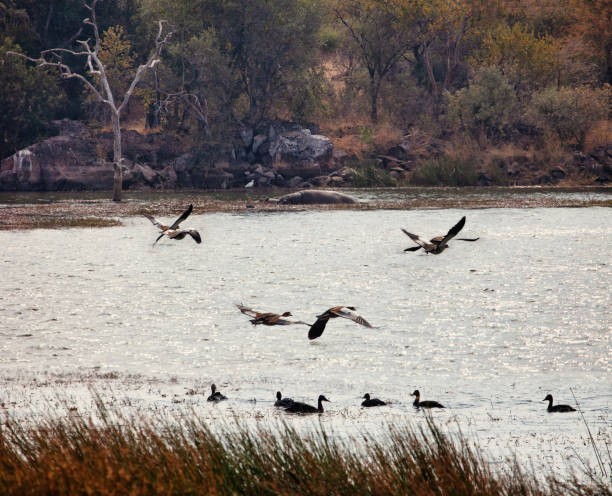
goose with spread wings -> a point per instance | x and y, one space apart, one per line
438 244
268 318
318 327
173 231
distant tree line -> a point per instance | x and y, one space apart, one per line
476 68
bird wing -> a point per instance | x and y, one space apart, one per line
349 314
195 235
283 321
155 222
416 238
159 237
468 239
247 311
453 231
317 328
182 217
413 248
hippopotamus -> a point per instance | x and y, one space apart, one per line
310 196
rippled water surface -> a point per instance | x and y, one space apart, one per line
487 328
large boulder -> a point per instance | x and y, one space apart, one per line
301 147
309 197
66 162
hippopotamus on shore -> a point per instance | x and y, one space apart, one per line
310 196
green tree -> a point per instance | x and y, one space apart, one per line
29 99
379 36
486 108
570 112
269 43
527 60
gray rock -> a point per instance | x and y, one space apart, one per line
258 140
294 182
60 163
301 146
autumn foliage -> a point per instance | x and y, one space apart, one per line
494 72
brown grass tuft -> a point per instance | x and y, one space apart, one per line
111 454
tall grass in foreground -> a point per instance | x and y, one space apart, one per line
101 456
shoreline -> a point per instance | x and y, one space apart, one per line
54 210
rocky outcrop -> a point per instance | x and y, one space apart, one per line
274 153
65 162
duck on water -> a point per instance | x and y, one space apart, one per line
424 404
298 407
368 402
557 408
282 402
215 395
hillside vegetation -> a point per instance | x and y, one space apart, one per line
466 88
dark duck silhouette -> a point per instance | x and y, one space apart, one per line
367 401
173 231
424 404
282 402
215 395
269 318
318 327
298 407
438 244
557 408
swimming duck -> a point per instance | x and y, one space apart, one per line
216 395
424 404
173 231
318 327
557 408
268 318
371 402
282 402
298 407
439 244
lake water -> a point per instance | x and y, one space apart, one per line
487 328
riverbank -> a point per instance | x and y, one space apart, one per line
64 210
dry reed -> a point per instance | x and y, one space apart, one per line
111 454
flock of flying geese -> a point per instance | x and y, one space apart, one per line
435 246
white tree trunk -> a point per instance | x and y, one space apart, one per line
118 175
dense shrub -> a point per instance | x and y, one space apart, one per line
485 109
367 174
445 171
570 112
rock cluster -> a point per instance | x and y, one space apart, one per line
274 154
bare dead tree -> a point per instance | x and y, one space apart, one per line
95 67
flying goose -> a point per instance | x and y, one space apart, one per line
282 402
318 327
557 408
173 231
367 401
424 404
268 318
299 407
438 244
215 395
